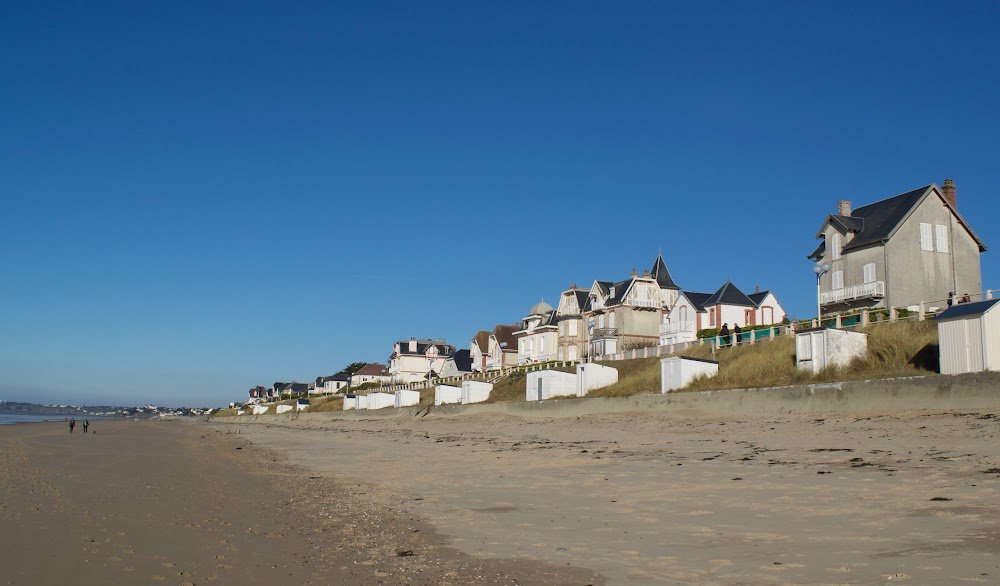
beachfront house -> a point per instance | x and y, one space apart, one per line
696 311
457 364
898 252
502 348
371 373
537 338
416 360
572 334
626 315
479 350
328 385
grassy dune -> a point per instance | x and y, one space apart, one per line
897 349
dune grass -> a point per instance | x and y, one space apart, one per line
896 349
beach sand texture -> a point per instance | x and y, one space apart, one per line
664 498
180 504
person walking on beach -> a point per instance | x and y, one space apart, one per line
86 424
72 424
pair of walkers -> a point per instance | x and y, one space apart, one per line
724 334
72 424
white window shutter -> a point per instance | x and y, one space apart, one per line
941 232
837 280
926 242
835 247
869 273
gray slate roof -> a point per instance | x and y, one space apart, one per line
875 222
730 294
967 309
463 360
661 274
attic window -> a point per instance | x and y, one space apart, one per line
611 292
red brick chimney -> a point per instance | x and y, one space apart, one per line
948 191
844 207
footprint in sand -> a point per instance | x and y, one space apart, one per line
168 564
159 578
841 569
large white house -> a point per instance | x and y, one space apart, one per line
412 360
728 305
538 337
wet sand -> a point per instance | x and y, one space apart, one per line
664 498
179 503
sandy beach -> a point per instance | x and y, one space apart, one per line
685 496
178 503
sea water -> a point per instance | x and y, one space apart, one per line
7 418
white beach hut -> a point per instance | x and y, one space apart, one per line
592 376
545 384
301 404
407 398
969 337
361 401
677 371
283 409
350 402
820 348
381 400
444 394
474 391
260 409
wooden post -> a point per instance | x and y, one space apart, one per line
892 314
753 336
837 323
921 315
989 293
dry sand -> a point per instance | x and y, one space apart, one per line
181 504
904 496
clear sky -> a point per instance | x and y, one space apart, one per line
198 197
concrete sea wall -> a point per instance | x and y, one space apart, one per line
964 391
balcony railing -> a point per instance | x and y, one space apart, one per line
873 290
650 303
677 328
605 333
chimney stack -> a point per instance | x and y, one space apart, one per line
844 207
948 190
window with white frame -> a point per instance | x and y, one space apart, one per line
600 321
574 327
926 237
835 246
941 238
611 320
837 280
868 272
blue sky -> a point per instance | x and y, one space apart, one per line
199 197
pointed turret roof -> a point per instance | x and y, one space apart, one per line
661 274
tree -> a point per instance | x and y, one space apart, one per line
353 367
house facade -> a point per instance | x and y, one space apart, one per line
572 333
728 305
371 373
898 252
413 360
457 364
330 384
479 350
538 339
502 348
627 314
